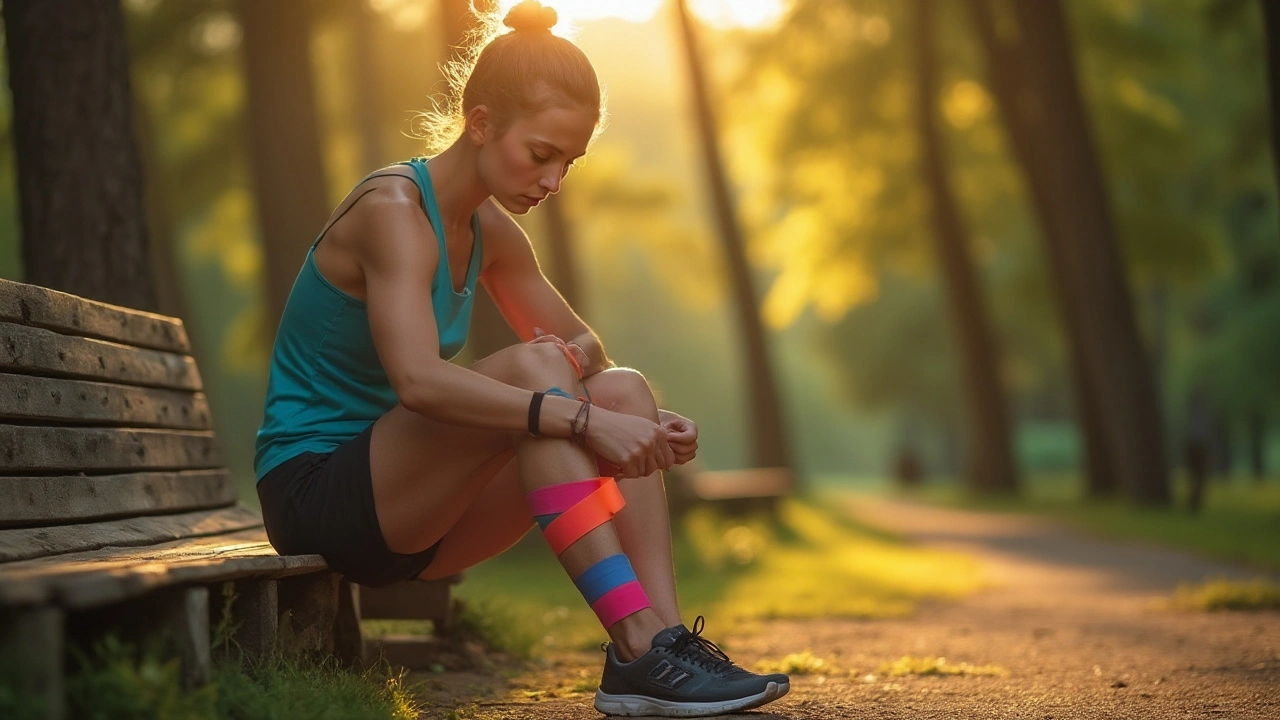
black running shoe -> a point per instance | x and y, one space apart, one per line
683 675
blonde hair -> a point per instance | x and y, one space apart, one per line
516 67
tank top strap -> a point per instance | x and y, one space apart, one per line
419 167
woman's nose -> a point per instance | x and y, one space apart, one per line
550 183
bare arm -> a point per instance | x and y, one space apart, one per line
399 259
528 300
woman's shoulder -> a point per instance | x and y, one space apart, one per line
391 184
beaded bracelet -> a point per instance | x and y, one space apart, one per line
576 434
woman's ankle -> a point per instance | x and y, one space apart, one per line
633 635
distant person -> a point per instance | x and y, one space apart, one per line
394 464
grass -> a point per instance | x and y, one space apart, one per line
809 562
1228 595
116 680
801 663
1240 520
113 679
935 666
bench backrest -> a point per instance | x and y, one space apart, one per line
102 418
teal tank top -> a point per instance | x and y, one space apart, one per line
326 384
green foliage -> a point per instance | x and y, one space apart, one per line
499 625
1178 110
1224 594
801 663
288 688
908 665
115 680
14 703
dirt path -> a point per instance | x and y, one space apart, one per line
1071 619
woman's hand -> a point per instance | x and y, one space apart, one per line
637 446
682 435
573 352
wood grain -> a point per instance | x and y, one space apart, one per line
34 351
25 449
26 501
28 543
41 307
28 399
82 580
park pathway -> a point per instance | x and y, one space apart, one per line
1074 620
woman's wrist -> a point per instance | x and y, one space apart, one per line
556 416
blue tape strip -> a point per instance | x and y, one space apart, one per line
545 520
559 393
604 576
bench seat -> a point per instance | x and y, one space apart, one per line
81 580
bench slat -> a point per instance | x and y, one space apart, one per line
42 307
26 501
32 449
30 543
34 351
28 398
83 580
747 483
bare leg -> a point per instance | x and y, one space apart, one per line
427 474
644 525
499 516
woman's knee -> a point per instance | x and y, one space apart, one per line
533 366
624 390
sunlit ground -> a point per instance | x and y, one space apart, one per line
808 563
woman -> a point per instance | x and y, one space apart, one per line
393 463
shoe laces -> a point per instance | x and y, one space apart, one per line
701 651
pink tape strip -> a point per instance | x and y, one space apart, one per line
620 602
558 498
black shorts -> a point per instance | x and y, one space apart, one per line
323 504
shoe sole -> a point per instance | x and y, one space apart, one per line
636 705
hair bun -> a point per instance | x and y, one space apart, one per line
531 16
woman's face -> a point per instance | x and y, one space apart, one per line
526 163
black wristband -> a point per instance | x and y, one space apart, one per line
535 408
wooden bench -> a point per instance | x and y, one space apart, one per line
116 510
737 492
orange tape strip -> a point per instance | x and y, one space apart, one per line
593 511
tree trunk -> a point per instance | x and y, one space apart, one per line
1257 444
364 77
79 176
564 268
1038 92
1009 83
1271 21
989 466
284 139
767 423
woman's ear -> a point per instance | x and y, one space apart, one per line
478 125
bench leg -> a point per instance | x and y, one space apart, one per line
308 605
348 643
34 641
186 621
256 611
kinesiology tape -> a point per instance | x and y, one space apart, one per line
561 392
611 589
575 509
